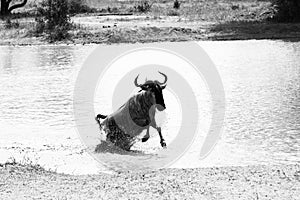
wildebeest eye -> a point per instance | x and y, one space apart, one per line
145 87
163 87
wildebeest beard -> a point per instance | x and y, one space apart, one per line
130 119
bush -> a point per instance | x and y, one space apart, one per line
173 12
112 10
53 19
40 25
287 10
59 33
176 4
143 6
79 6
9 24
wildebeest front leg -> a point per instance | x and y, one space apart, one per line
147 136
162 140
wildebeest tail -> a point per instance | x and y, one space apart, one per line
98 117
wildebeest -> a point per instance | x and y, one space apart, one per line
136 115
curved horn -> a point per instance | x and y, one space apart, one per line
136 83
166 78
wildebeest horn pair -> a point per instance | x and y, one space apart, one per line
139 85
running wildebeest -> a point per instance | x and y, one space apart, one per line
136 115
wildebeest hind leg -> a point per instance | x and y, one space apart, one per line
147 136
162 140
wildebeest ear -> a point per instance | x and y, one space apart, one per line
163 87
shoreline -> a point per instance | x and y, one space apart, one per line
148 29
250 182
217 38
32 41
224 37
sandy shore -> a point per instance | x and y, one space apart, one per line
252 182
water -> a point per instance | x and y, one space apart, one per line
261 82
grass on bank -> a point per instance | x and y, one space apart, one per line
226 19
26 164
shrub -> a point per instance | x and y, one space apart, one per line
235 7
79 6
40 25
59 33
176 4
287 10
143 6
173 12
9 24
53 19
112 10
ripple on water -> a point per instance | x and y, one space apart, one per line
261 82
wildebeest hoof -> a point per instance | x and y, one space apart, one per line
163 144
145 139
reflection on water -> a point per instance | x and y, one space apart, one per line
36 106
37 84
262 86
261 81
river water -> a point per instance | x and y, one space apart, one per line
262 88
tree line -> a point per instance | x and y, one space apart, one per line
286 10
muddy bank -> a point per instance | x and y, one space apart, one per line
252 182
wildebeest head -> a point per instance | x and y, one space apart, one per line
155 87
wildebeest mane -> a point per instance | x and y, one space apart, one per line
139 108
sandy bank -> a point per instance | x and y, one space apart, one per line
252 182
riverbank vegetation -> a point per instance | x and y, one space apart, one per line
116 21
287 10
53 19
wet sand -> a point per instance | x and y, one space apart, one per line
251 182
